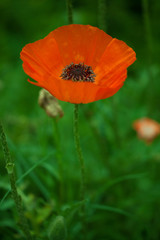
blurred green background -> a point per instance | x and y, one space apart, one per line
123 181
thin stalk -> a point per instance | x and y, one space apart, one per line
147 25
59 158
149 41
69 11
17 199
76 135
79 152
102 15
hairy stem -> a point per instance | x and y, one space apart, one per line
17 199
147 26
69 10
150 46
79 152
102 15
59 158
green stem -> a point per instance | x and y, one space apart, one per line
149 41
79 152
59 158
17 199
147 26
69 10
102 14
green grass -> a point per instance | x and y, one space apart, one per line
123 183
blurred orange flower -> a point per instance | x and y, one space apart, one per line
147 129
78 63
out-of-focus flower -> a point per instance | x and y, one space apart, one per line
50 104
147 129
78 63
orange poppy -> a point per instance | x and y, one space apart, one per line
147 129
78 63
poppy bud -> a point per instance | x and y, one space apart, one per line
50 104
58 230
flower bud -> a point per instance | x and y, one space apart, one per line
50 104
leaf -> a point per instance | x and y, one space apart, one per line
24 175
52 171
7 204
117 180
111 209
126 177
7 223
69 209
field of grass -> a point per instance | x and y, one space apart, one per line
122 199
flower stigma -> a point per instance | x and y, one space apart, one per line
78 73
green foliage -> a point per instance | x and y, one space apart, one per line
58 229
123 184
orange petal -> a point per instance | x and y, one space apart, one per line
42 59
80 92
45 59
116 58
81 43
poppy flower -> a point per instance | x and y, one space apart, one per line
78 63
147 129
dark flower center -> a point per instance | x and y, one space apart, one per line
78 73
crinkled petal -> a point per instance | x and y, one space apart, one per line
81 43
115 60
44 61
41 59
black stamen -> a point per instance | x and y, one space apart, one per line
78 73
